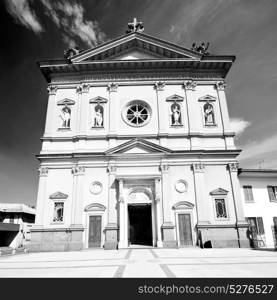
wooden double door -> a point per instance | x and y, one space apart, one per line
95 229
185 232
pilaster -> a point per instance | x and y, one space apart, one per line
112 228
158 212
83 108
41 198
201 200
159 87
113 112
169 239
123 240
51 108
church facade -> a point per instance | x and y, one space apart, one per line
138 149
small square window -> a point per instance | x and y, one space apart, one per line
248 193
220 209
58 212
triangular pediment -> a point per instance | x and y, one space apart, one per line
138 146
136 46
66 101
208 98
58 195
175 98
98 99
218 192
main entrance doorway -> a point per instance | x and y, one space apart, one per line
140 224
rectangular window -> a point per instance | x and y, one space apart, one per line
220 209
248 193
272 192
257 224
58 212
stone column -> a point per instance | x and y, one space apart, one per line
241 223
51 108
220 87
201 198
83 109
158 212
123 243
112 228
77 209
41 199
159 87
169 239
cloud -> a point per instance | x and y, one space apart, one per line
23 14
69 17
260 152
239 125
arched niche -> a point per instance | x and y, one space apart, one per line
95 207
183 205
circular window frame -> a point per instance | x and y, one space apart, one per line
95 184
177 187
136 102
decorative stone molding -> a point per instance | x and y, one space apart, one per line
111 169
95 207
233 167
181 186
218 192
190 85
112 87
198 167
98 100
183 205
164 168
52 89
174 98
207 98
78 170
58 195
82 88
66 101
159 85
43 171
220 86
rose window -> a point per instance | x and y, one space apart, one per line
137 113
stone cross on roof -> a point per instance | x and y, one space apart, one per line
135 26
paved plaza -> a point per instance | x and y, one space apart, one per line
144 262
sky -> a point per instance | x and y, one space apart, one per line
42 29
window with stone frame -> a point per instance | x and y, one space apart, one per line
272 193
58 211
248 193
220 208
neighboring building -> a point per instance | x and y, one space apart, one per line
259 191
138 149
15 222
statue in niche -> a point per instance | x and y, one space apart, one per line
98 118
65 116
209 114
175 114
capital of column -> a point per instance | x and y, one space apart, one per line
82 88
233 167
52 89
198 167
164 168
78 170
43 171
111 169
190 85
112 87
220 86
159 85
